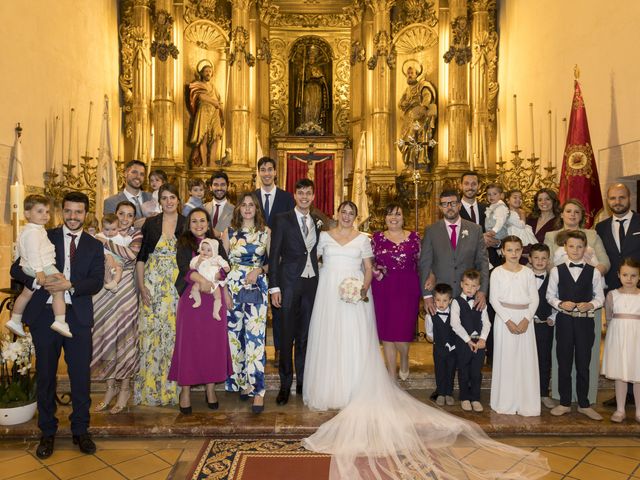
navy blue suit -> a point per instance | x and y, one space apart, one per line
280 201
87 277
630 247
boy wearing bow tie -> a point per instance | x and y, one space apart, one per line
472 329
440 333
575 291
544 319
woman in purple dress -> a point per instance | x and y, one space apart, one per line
545 212
396 288
201 354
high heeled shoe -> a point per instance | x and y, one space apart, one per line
212 405
403 374
109 394
257 409
186 410
121 404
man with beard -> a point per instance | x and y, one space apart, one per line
80 258
135 173
620 234
220 209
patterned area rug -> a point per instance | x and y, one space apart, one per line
259 459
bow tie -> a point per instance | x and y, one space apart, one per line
576 265
541 277
442 313
468 299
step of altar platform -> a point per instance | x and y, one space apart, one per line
234 418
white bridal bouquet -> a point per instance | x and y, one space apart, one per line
350 291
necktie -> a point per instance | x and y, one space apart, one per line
136 202
541 277
576 265
454 236
267 207
621 232
214 221
473 214
305 227
72 247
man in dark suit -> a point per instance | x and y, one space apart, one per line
620 235
293 279
134 175
449 247
273 200
81 259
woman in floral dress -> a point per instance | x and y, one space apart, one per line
247 241
157 271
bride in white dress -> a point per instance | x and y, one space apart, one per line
382 432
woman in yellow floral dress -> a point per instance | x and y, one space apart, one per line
156 272
247 241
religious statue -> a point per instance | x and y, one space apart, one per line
207 120
312 95
419 108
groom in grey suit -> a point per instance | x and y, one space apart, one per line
449 247
134 175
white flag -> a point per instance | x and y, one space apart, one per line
359 188
106 173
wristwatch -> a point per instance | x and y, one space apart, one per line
71 290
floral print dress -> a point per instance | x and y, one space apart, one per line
247 322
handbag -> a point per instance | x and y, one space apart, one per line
249 294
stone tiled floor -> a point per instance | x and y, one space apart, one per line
577 458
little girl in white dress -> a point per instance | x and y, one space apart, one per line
208 264
516 221
621 359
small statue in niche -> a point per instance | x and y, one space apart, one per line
420 110
207 119
312 95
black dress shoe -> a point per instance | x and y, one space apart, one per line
434 395
186 410
85 443
213 405
244 397
45 447
299 389
283 396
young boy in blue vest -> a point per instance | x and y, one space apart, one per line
575 291
439 332
544 319
472 329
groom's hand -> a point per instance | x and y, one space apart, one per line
430 305
276 298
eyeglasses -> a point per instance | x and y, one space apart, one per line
453 203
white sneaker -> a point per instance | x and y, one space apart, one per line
477 407
448 399
548 402
590 412
62 328
440 401
16 327
466 405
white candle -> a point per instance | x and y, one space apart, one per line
499 135
485 155
555 139
136 145
515 118
533 146
469 154
550 136
54 135
86 146
119 131
70 136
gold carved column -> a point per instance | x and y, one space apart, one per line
141 69
240 62
458 57
164 53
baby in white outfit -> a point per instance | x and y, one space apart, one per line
113 263
208 264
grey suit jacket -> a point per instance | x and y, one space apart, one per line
447 264
224 217
112 202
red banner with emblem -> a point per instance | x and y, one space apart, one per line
579 176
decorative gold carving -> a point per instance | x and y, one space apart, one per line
218 12
382 47
264 51
380 6
358 53
133 47
267 11
483 5
460 51
379 195
206 35
162 46
485 56
355 12
312 20
239 42
278 92
415 38
415 12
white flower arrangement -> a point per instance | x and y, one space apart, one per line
17 384
350 291
464 233
319 224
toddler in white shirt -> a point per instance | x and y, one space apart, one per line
37 259
497 212
113 263
208 264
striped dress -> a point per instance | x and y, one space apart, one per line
115 330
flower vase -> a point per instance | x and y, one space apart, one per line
16 415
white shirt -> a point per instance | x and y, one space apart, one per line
615 226
539 282
35 249
458 222
456 323
66 271
300 217
272 196
597 296
467 207
429 321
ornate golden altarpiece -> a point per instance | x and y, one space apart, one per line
266 56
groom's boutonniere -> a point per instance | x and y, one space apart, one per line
319 224
464 233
